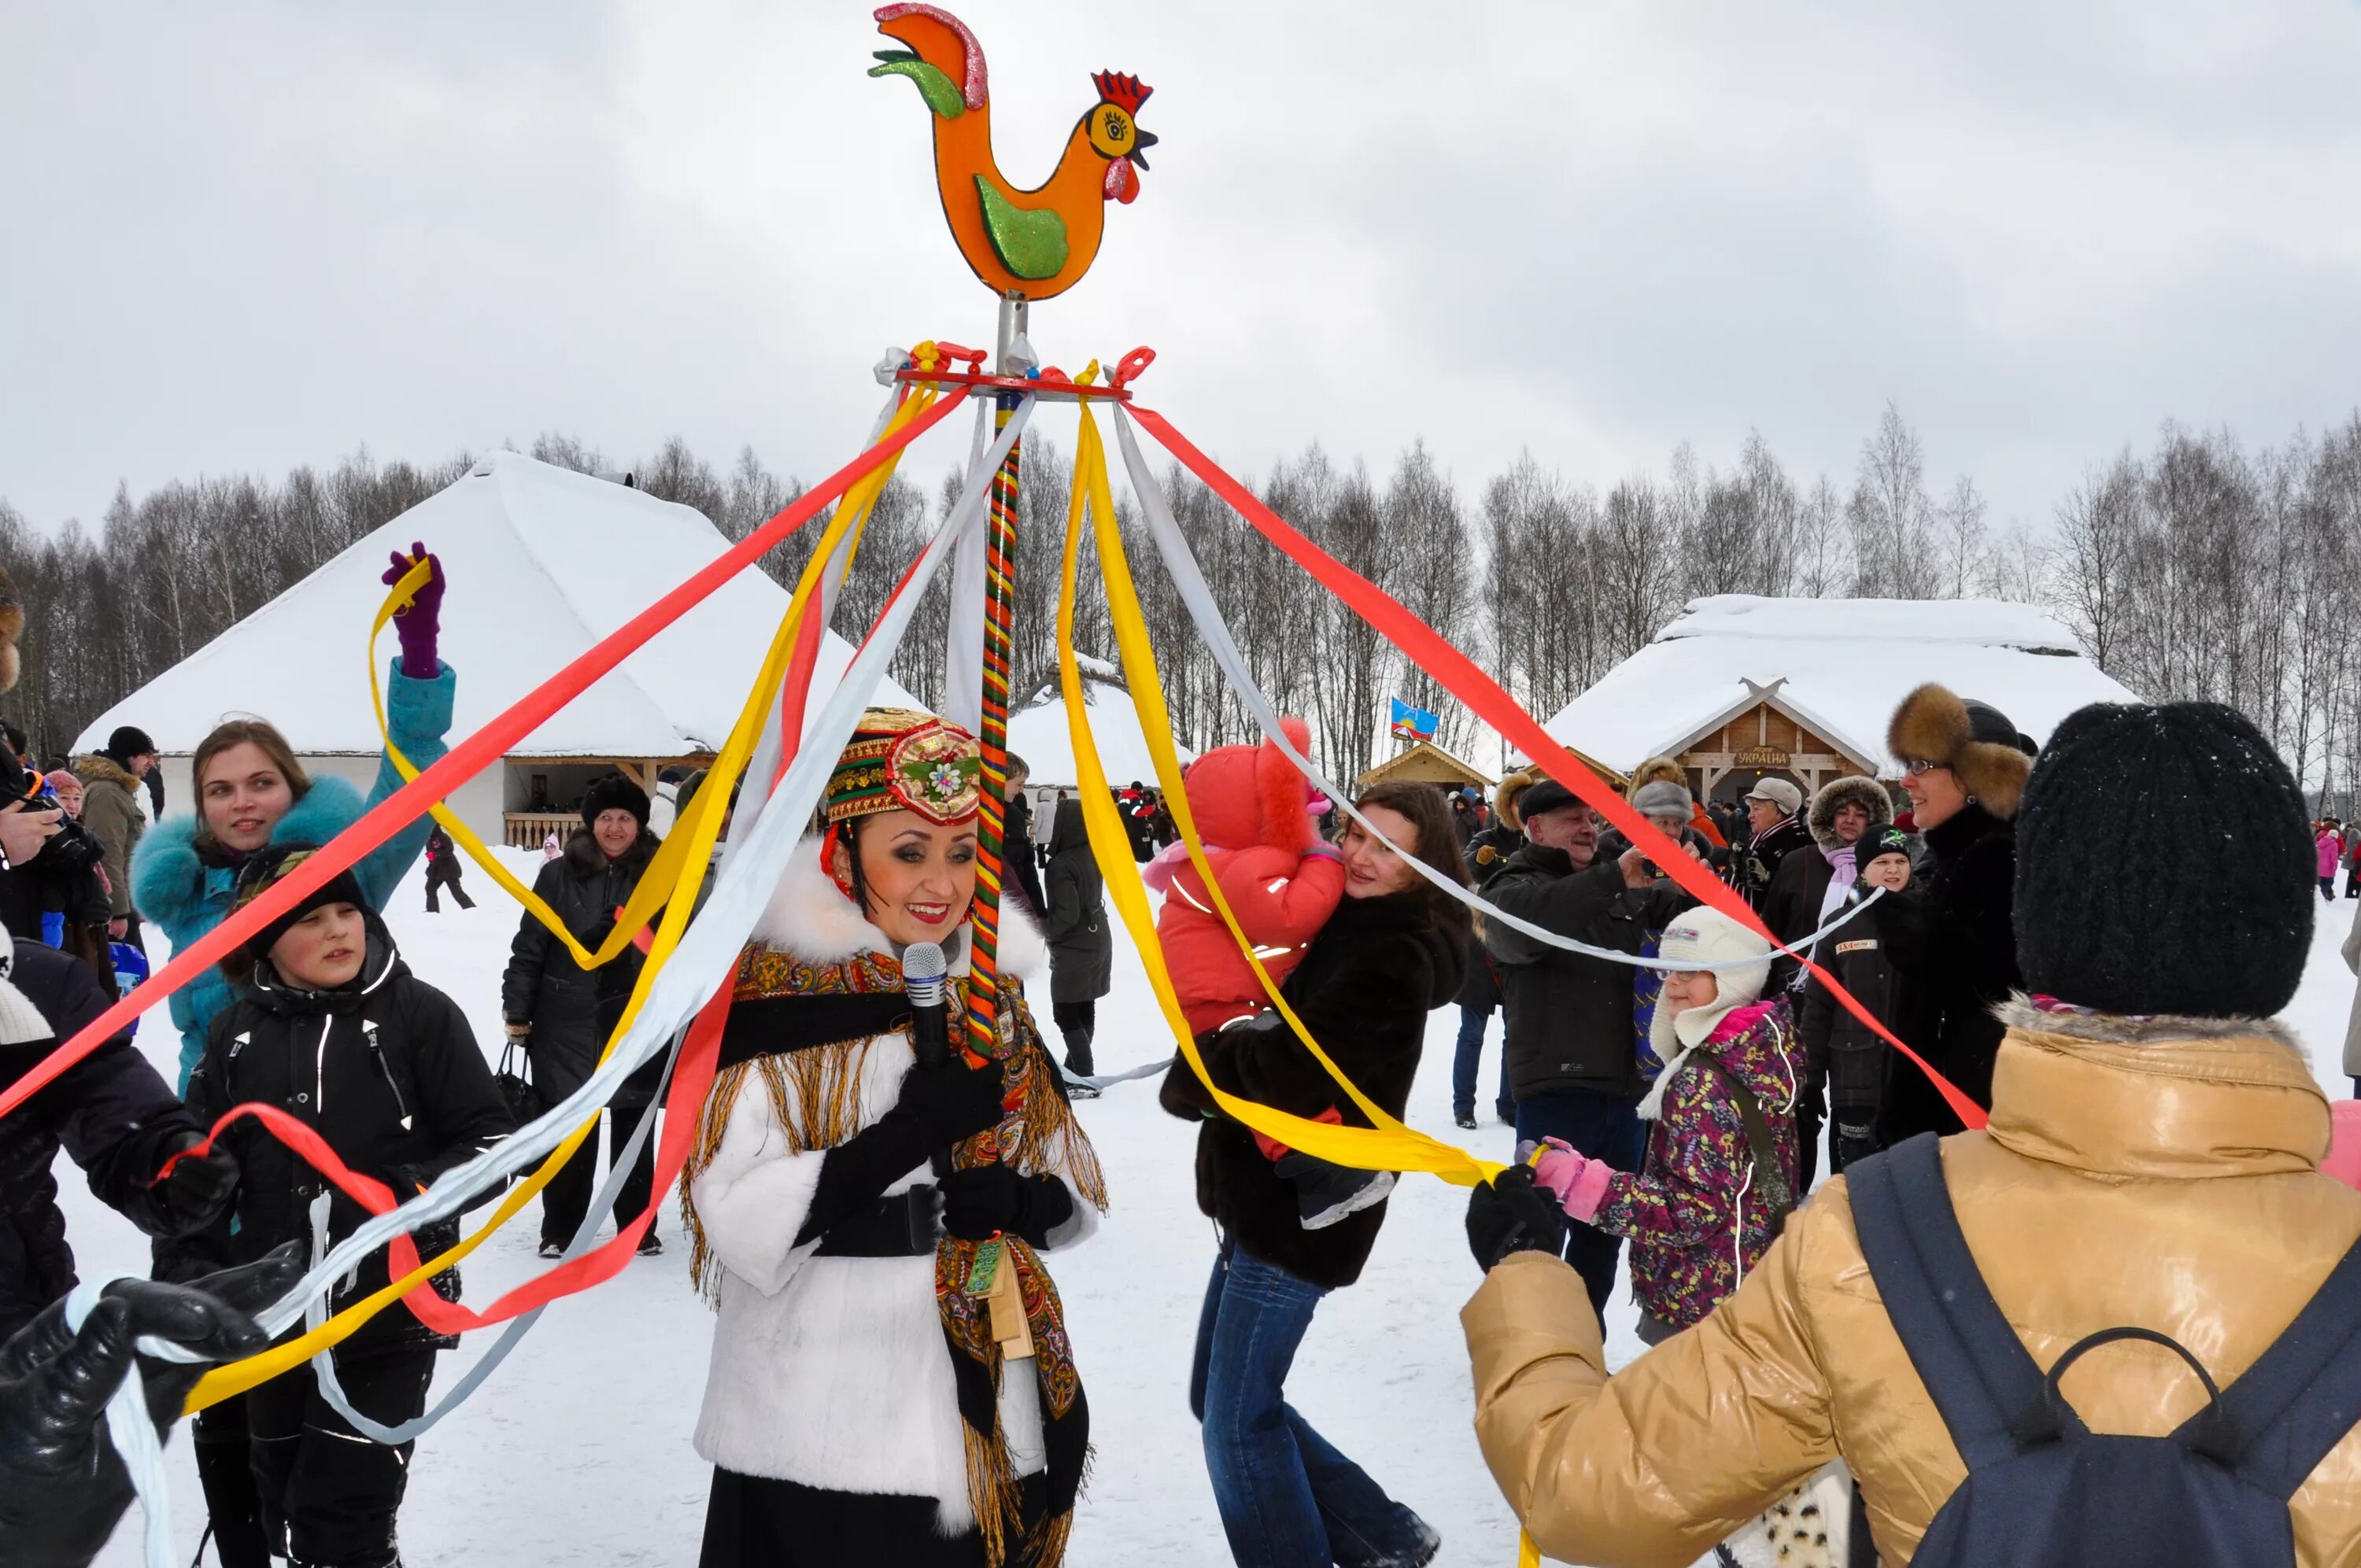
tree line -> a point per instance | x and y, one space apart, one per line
2200 569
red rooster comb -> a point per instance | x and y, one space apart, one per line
1126 93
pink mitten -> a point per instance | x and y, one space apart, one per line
1578 1181
2344 1161
1159 872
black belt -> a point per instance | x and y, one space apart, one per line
900 1225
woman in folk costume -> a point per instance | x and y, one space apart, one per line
892 1381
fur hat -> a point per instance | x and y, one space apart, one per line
2164 865
1511 794
1704 934
1975 740
1834 796
1663 797
613 793
1655 769
1786 796
12 626
1245 797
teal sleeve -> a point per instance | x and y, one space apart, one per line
418 716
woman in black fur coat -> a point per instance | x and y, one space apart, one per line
1394 950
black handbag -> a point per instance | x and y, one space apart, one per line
516 1087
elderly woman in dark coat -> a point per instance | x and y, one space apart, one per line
563 1013
1393 951
1081 947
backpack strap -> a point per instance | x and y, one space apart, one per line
1770 1177
2303 1395
1985 1384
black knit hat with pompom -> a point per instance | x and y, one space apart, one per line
2164 864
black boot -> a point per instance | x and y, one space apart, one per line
1078 1062
226 1475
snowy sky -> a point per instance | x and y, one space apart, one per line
245 236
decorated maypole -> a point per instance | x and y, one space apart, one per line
1025 246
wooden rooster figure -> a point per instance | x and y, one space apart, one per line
1028 243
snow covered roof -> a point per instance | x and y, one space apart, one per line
1846 664
1037 732
543 562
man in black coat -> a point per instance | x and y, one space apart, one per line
1846 1060
564 1012
1020 860
110 1111
1572 1051
1965 767
1486 846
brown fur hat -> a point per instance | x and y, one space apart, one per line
1655 769
1504 798
1849 790
1973 740
12 626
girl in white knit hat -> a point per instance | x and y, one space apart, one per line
1721 1170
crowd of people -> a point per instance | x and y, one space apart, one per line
1838 1366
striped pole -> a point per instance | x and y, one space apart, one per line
991 736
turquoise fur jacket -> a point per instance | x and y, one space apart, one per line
177 891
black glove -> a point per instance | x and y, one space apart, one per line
936 1108
1510 1214
198 1192
63 1487
980 1203
943 1106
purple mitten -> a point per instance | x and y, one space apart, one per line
418 626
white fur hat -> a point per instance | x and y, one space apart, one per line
1704 935
20 1020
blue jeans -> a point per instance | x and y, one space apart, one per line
1469 1057
1604 1127
1287 1498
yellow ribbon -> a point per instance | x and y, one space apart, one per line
697 831
1389 1144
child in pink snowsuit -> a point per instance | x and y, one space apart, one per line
1258 818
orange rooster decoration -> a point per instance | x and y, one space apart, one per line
1030 244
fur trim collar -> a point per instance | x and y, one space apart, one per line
2110 1028
99 768
1837 794
168 880
810 917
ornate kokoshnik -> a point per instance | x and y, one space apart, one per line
904 760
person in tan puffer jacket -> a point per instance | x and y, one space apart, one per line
2152 1159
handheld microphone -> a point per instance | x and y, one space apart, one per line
924 971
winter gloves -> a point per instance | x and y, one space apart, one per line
200 1189
979 1204
62 1485
1578 1181
1511 1214
419 626
934 1110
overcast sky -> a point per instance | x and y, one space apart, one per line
241 237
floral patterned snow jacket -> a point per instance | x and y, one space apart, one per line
1695 1229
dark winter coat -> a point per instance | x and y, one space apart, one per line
1364 989
186 893
1956 948
110 1111
442 858
1792 907
110 809
572 1009
1843 1053
386 1071
1753 867
1016 854
1485 853
1074 923
1569 1016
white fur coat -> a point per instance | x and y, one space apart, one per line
833 1371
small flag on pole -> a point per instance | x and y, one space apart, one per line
1413 723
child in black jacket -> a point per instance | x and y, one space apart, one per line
333 1029
1841 1052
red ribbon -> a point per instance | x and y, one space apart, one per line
1460 677
463 761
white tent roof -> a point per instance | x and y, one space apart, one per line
1038 733
543 562
1847 665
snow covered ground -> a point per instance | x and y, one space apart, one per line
577 1451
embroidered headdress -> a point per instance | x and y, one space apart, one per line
901 760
